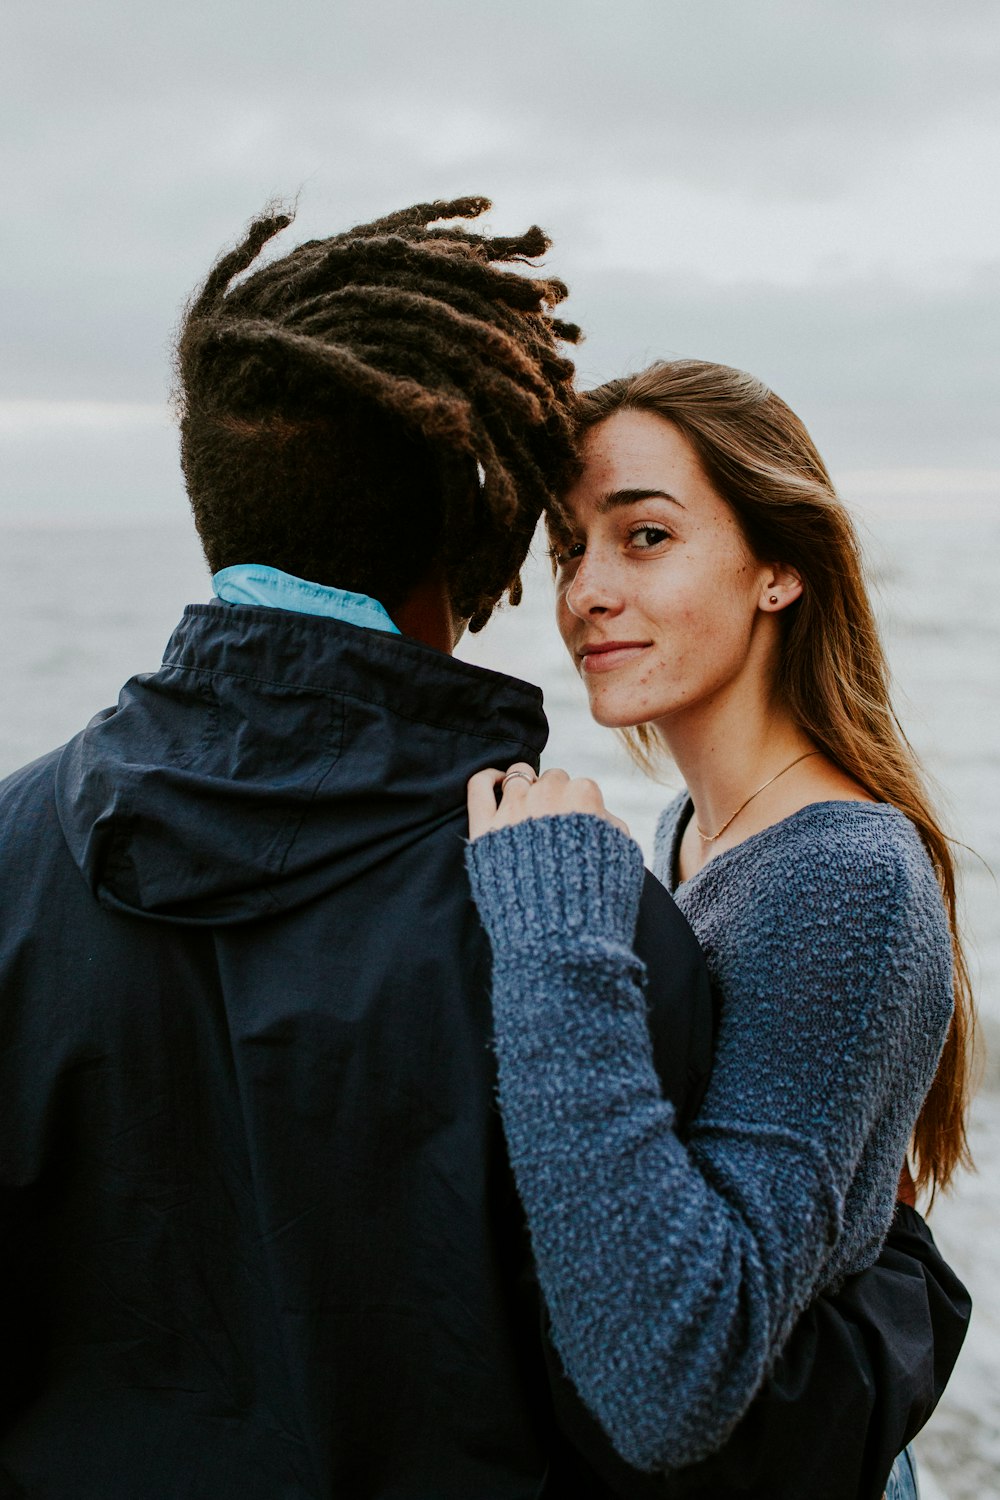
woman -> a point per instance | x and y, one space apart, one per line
711 596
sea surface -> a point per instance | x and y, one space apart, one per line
83 607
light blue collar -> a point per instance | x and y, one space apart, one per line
250 583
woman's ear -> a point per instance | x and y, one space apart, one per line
780 586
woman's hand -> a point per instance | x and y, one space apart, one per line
525 795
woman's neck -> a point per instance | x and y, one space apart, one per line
726 746
726 751
747 765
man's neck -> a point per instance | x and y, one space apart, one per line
426 615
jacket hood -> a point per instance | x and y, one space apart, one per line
275 757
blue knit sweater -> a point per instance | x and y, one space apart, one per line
673 1272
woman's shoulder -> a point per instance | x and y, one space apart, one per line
864 840
859 862
827 851
837 898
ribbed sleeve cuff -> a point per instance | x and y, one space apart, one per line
547 878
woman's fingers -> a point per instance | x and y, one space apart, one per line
482 800
492 796
517 778
525 795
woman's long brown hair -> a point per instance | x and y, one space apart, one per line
832 671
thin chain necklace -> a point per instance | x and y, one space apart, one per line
710 838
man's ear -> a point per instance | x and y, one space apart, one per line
780 586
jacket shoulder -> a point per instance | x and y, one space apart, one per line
27 801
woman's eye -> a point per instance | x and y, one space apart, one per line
565 552
645 537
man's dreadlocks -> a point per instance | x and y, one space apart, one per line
376 401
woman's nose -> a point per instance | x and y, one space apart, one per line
591 591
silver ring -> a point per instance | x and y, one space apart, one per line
510 776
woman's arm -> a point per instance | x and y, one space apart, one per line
672 1275
859 1377
861 1373
878 1352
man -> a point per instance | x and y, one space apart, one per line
260 1235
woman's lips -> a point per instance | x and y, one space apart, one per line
614 654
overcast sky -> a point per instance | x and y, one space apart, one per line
808 190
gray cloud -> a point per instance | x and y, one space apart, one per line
738 87
758 180
884 374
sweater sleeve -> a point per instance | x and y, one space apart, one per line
673 1273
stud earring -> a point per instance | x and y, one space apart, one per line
773 599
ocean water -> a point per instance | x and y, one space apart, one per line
83 607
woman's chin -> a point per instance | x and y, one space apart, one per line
614 716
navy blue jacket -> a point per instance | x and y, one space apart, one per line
258 1230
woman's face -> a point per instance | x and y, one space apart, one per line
659 600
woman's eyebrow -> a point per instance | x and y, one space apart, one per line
615 498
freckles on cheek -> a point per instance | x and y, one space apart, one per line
645 692
691 606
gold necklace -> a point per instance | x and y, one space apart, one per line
710 838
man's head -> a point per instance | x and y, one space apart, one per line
378 406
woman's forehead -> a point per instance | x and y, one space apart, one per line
639 442
642 452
